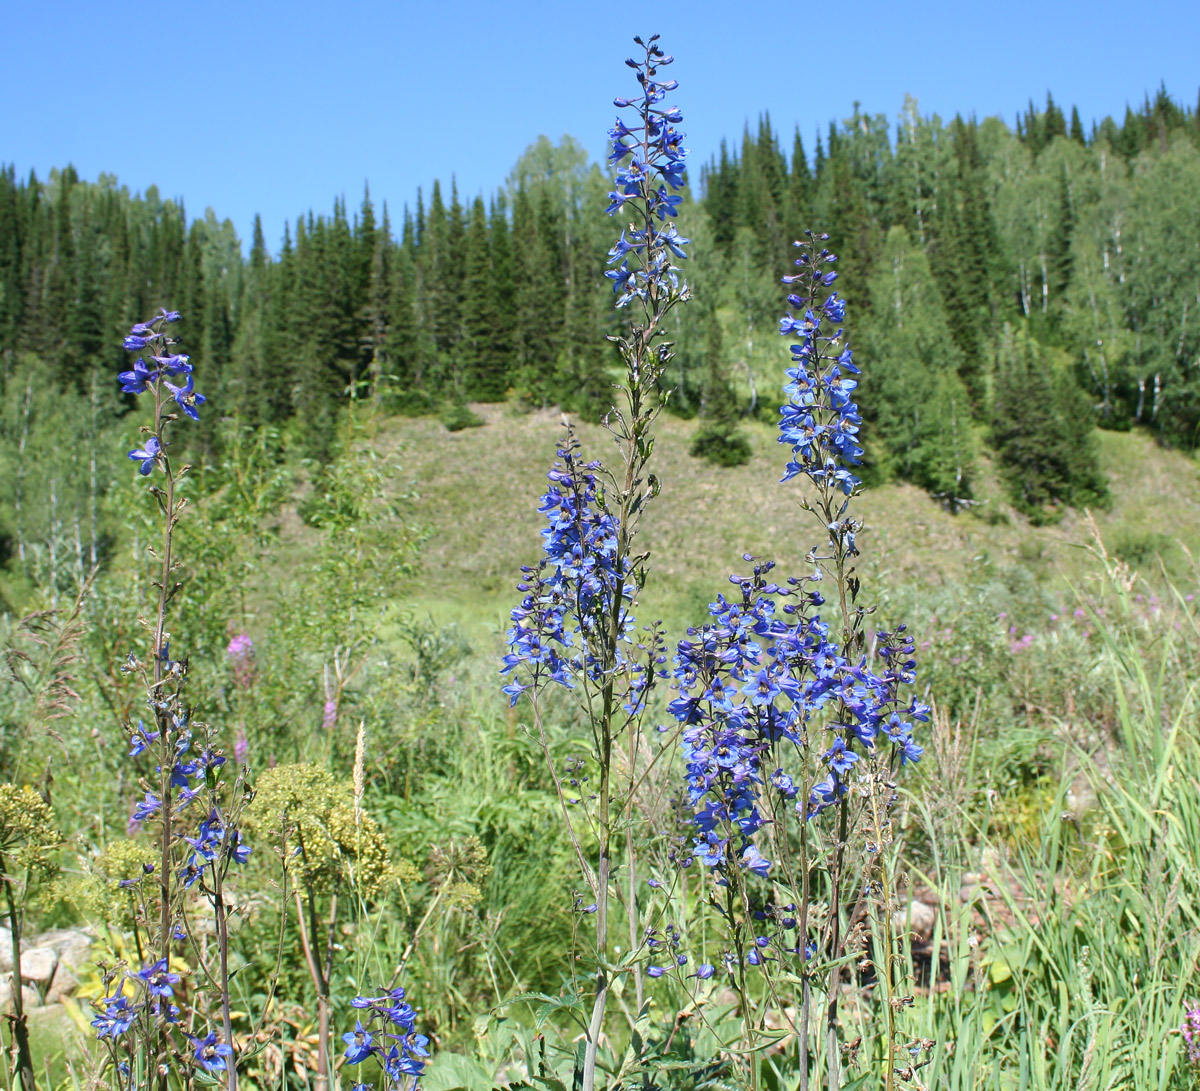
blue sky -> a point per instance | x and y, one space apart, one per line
271 107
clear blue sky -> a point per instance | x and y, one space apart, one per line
273 107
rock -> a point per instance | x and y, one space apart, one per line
29 995
63 984
37 964
918 920
6 949
72 945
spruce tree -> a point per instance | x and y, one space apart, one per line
1042 432
720 439
914 397
484 371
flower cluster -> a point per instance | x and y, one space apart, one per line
1191 1033
750 681
193 765
154 372
387 1018
154 986
241 659
572 593
649 167
138 1017
820 421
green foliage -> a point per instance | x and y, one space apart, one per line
913 393
458 417
1042 433
722 445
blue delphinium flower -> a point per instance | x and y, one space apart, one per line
158 978
360 1044
575 588
116 1018
650 161
210 1054
150 373
388 1015
820 421
148 456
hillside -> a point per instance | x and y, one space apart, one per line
478 489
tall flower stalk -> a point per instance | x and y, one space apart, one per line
149 1024
793 726
575 626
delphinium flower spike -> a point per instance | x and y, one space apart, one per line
575 625
871 722
139 1020
385 1031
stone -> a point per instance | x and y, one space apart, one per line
918 920
29 995
63 984
72 945
6 949
37 964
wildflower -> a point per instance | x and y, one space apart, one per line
148 807
147 455
360 1042
1191 1033
137 380
577 583
116 1018
650 161
186 398
210 1054
158 978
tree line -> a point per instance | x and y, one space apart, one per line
1010 287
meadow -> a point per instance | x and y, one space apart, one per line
429 741
1049 837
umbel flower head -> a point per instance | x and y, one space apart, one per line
28 830
337 843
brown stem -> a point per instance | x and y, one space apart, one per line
307 933
18 1021
222 923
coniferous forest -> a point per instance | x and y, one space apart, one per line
1013 284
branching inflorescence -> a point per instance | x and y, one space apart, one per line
385 1032
788 712
575 625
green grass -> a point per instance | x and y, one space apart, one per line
478 491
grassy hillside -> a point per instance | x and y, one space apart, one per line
477 490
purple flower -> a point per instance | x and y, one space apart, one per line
210 1054
159 979
360 1043
186 398
116 1018
148 808
138 380
147 455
